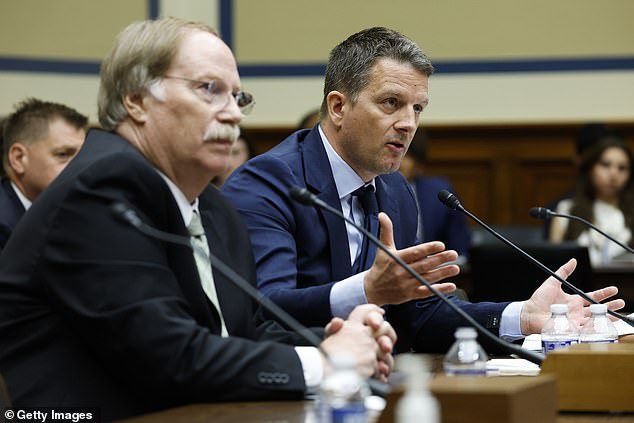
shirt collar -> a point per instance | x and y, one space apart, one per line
26 203
346 179
186 208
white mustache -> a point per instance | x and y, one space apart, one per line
222 132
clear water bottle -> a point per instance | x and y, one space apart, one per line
417 405
599 328
343 393
466 356
559 331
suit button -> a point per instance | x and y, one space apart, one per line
273 378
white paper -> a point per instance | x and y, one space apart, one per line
511 367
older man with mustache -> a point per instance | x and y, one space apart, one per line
95 314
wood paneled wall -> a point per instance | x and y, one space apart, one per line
499 172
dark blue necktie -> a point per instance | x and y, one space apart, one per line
367 197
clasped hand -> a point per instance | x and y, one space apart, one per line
367 336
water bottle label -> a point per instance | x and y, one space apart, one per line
352 413
599 341
466 372
554 345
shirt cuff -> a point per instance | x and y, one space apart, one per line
345 295
312 366
510 327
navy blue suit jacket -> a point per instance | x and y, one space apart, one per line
11 210
440 223
301 251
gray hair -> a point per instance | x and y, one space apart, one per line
140 56
350 63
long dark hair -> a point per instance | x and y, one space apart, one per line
585 193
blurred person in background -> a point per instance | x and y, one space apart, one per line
241 151
604 196
588 135
436 222
309 120
39 139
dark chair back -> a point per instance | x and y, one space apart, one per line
499 273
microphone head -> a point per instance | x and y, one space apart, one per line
125 214
540 213
119 210
449 199
302 195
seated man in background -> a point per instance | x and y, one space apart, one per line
436 222
40 138
241 151
95 313
315 265
309 120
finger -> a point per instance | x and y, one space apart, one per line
615 304
440 273
360 312
334 326
386 231
388 361
443 288
385 364
374 320
382 372
438 259
387 330
421 251
602 294
385 344
566 270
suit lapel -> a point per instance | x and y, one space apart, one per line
12 209
319 180
388 204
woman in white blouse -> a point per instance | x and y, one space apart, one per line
604 195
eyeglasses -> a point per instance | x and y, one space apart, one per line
215 92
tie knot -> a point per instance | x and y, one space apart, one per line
195 227
367 196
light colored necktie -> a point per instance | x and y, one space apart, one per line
201 255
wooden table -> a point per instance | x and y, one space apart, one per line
295 412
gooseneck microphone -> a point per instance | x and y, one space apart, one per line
451 201
129 216
546 214
304 196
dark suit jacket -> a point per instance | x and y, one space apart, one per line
95 313
11 210
440 223
301 251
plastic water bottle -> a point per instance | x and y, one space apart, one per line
599 328
417 405
466 356
559 331
342 394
